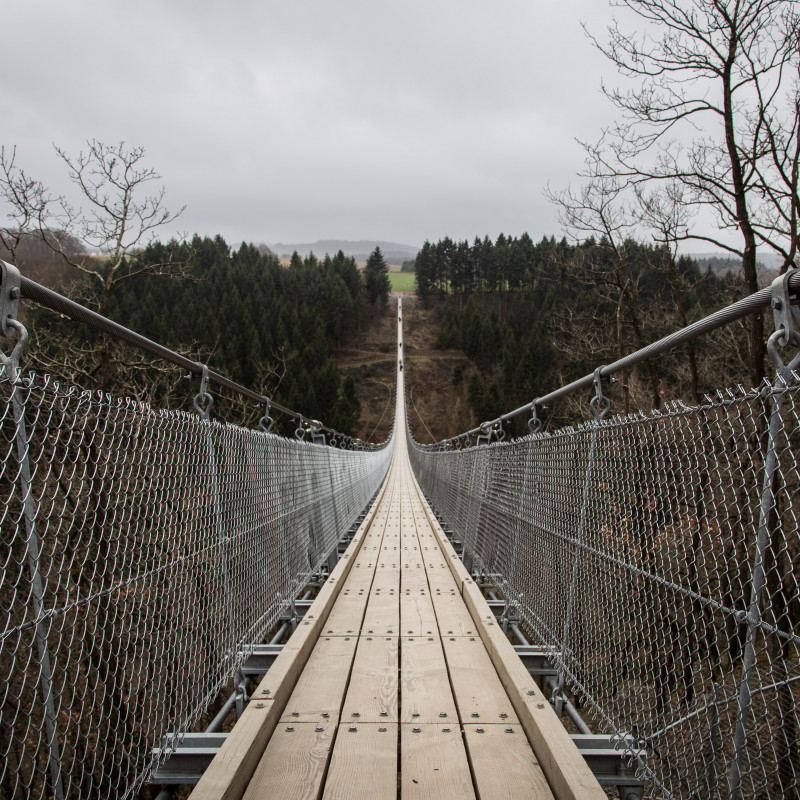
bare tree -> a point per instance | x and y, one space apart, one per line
711 108
118 219
600 208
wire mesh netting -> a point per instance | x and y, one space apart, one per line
144 553
657 557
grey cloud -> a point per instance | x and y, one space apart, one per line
294 121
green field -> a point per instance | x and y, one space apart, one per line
402 281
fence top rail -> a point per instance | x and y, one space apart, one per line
741 308
30 290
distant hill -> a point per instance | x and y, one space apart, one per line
722 263
393 252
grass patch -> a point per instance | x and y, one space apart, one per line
402 281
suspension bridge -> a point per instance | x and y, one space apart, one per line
189 604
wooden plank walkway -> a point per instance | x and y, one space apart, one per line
398 683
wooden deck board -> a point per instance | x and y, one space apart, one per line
319 692
372 693
504 764
417 617
478 692
364 763
424 684
353 698
434 763
293 765
383 612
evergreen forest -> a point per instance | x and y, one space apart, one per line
267 326
535 316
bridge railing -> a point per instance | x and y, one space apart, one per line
657 557
144 553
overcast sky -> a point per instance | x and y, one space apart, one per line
296 121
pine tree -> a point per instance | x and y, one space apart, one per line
376 279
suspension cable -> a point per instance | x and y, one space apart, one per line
30 290
718 319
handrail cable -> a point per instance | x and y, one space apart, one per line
741 308
30 290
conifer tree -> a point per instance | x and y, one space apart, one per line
376 279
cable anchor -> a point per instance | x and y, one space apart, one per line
203 401
10 294
266 422
600 403
785 332
534 423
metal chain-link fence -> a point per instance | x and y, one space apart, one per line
143 554
658 557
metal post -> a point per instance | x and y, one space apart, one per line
203 404
784 335
9 326
758 571
600 405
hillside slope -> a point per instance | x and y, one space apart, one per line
436 410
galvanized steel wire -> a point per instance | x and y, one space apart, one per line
657 556
144 552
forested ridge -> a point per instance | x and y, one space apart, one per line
269 327
534 316
528 316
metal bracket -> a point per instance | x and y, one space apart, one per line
600 403
10 294
534 423
266 422
785 331
316 437
489 429
203 395
782 310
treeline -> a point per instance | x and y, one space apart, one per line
534 316
269 327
